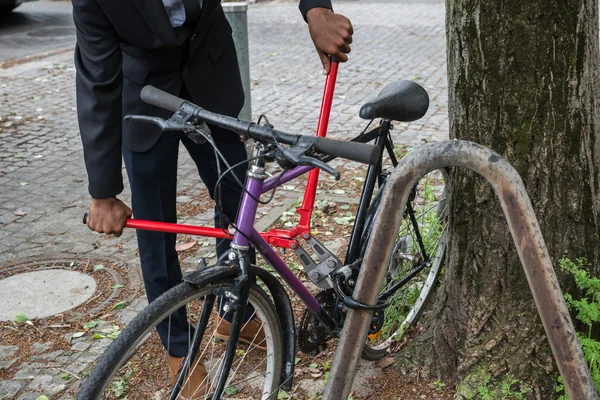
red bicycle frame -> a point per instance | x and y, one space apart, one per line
276 237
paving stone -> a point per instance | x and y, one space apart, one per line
28 396
89 357
8 389
7 363
81 346
78 367
53 389
27 372
101 345
40 347
8 351
7 218
48 356
132 310
40 382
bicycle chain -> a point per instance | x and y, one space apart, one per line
311 335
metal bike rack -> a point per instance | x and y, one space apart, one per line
528 239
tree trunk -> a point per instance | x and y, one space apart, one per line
522 80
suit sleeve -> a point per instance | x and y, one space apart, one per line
306 5
99 84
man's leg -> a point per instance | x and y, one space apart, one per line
153 181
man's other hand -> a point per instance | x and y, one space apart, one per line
331 33
108 216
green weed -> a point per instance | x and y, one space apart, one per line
439 385
121 385
588 313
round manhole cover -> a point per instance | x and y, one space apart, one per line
63 290
42 294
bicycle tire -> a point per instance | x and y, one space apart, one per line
424 282
141 328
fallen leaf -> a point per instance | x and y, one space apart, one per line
385 362
78 335
20 318
119 305
185 246
98 267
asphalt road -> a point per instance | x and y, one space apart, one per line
36 28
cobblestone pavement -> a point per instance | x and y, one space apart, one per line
43 185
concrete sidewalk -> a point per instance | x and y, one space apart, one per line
43 185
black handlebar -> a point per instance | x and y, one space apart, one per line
160 98
360 152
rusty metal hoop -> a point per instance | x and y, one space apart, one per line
525 231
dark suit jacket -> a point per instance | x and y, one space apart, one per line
127 44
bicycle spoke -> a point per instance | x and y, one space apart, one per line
414 258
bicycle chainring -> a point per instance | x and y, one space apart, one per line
311 335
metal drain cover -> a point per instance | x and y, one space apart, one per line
44 293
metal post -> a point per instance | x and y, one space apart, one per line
526 234
236 13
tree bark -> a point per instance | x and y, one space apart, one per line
523 81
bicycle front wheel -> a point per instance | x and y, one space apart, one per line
417 258
136 365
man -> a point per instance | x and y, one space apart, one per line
185 48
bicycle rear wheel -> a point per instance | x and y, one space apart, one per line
135 366
415 264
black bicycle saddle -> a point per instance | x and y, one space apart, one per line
403 101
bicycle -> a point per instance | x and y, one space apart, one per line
414 268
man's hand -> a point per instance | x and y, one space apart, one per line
331 33
108 216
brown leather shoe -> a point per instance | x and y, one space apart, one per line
196 386
252 333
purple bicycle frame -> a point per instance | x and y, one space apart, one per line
245 224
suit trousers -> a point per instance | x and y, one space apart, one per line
153 181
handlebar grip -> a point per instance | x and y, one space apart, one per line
85 218
160 98
355 151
